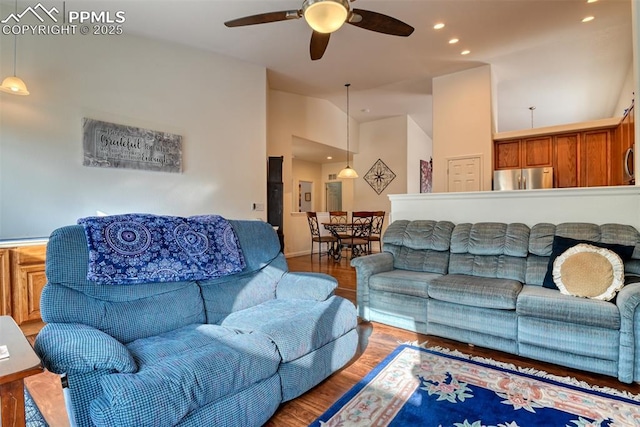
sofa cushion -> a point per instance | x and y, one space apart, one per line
419 245
297 326
476 291
124 312
588 271
419 234
181 371
404 282
491 238
562 244
544 303
488 249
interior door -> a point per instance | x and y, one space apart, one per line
333 192
464 174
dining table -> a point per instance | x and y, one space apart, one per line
343 231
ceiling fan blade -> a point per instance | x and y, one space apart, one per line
264 18
319 43
380 23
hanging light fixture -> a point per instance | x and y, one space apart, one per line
325 16
14 84
347 172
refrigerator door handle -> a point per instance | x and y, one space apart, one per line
627 156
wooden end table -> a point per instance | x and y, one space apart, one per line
22 362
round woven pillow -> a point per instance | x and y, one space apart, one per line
590 272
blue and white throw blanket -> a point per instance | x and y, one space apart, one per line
141 248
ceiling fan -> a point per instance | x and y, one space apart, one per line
327 16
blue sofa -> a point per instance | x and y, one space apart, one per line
224 351
483 284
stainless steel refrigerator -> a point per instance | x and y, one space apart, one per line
523 179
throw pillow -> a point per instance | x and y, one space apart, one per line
561 244
590 272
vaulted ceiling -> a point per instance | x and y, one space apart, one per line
541 53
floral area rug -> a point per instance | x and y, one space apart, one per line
415 386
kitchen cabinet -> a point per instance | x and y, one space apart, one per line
5 284
622 150
507 155
579 158
566 158
537 152
523 153
595 162
22 278
28 280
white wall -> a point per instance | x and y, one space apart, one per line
462 122
419 147
217 104
386 140
635 20
592 205
310 172
626 95
318 120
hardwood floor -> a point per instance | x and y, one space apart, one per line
376 342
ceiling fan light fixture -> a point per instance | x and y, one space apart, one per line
14 85
325 16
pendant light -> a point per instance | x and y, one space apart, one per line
13 84
347 172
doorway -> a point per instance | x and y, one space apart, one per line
464 174
305 196
333 192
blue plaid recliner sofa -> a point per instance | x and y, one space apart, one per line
497 285
223 351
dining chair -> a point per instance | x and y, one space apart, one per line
358 241
340 217
316 237
376 229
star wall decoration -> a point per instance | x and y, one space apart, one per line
379 176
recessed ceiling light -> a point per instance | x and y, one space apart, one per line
438 26
588 18
591 1
329 158
453 41
465 52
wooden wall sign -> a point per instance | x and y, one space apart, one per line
111 145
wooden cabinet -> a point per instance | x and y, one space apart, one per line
507 154
537 152
594 158
22 278
578 159
621 157
5 284
523 153
566 160
28 280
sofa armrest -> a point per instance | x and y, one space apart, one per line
366 267
74 348
298 285
628 301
